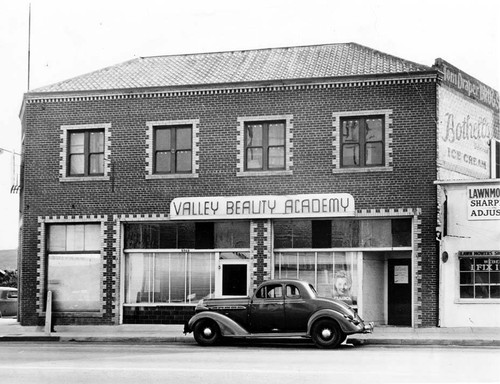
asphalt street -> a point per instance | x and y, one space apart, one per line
123 363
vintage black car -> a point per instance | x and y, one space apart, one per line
283 308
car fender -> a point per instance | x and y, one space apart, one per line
345 325
227 326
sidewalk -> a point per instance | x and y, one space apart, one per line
10 330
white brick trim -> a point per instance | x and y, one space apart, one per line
42 253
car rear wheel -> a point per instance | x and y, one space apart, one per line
326 333
206 332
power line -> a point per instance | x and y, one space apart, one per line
6 150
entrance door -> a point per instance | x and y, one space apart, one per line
233 276
373 303
399 292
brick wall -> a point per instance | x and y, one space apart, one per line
408 184
157 315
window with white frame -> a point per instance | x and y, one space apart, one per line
74 267
479 274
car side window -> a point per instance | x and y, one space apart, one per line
292 292
12 295
270 292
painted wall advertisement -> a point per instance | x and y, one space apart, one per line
483 203
465 131
467 108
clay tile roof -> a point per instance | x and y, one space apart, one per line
273 64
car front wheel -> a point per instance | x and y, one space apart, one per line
206 332
327 334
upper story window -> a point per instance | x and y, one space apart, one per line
85 152
362 141
173 150
265 146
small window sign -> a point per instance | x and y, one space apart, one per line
400 274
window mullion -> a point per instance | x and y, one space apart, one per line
173 150
86 153
265 146
362 142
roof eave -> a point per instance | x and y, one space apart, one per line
219 86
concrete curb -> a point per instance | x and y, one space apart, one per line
427 342
187 340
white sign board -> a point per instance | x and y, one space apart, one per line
246 207
483 203
400 274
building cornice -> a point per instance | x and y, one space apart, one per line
227 88
469 181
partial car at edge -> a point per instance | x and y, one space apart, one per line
8 301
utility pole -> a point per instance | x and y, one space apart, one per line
29 45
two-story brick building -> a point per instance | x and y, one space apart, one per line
153 183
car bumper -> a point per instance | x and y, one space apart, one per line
368 327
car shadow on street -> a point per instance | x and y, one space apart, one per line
276 343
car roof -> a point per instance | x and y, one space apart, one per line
287 281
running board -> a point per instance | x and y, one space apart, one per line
271 335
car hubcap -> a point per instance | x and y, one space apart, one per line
207 332
326 333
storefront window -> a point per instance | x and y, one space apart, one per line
74 267
168 277
479 275
342 233
333 274
188 235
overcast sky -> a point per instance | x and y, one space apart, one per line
70 38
